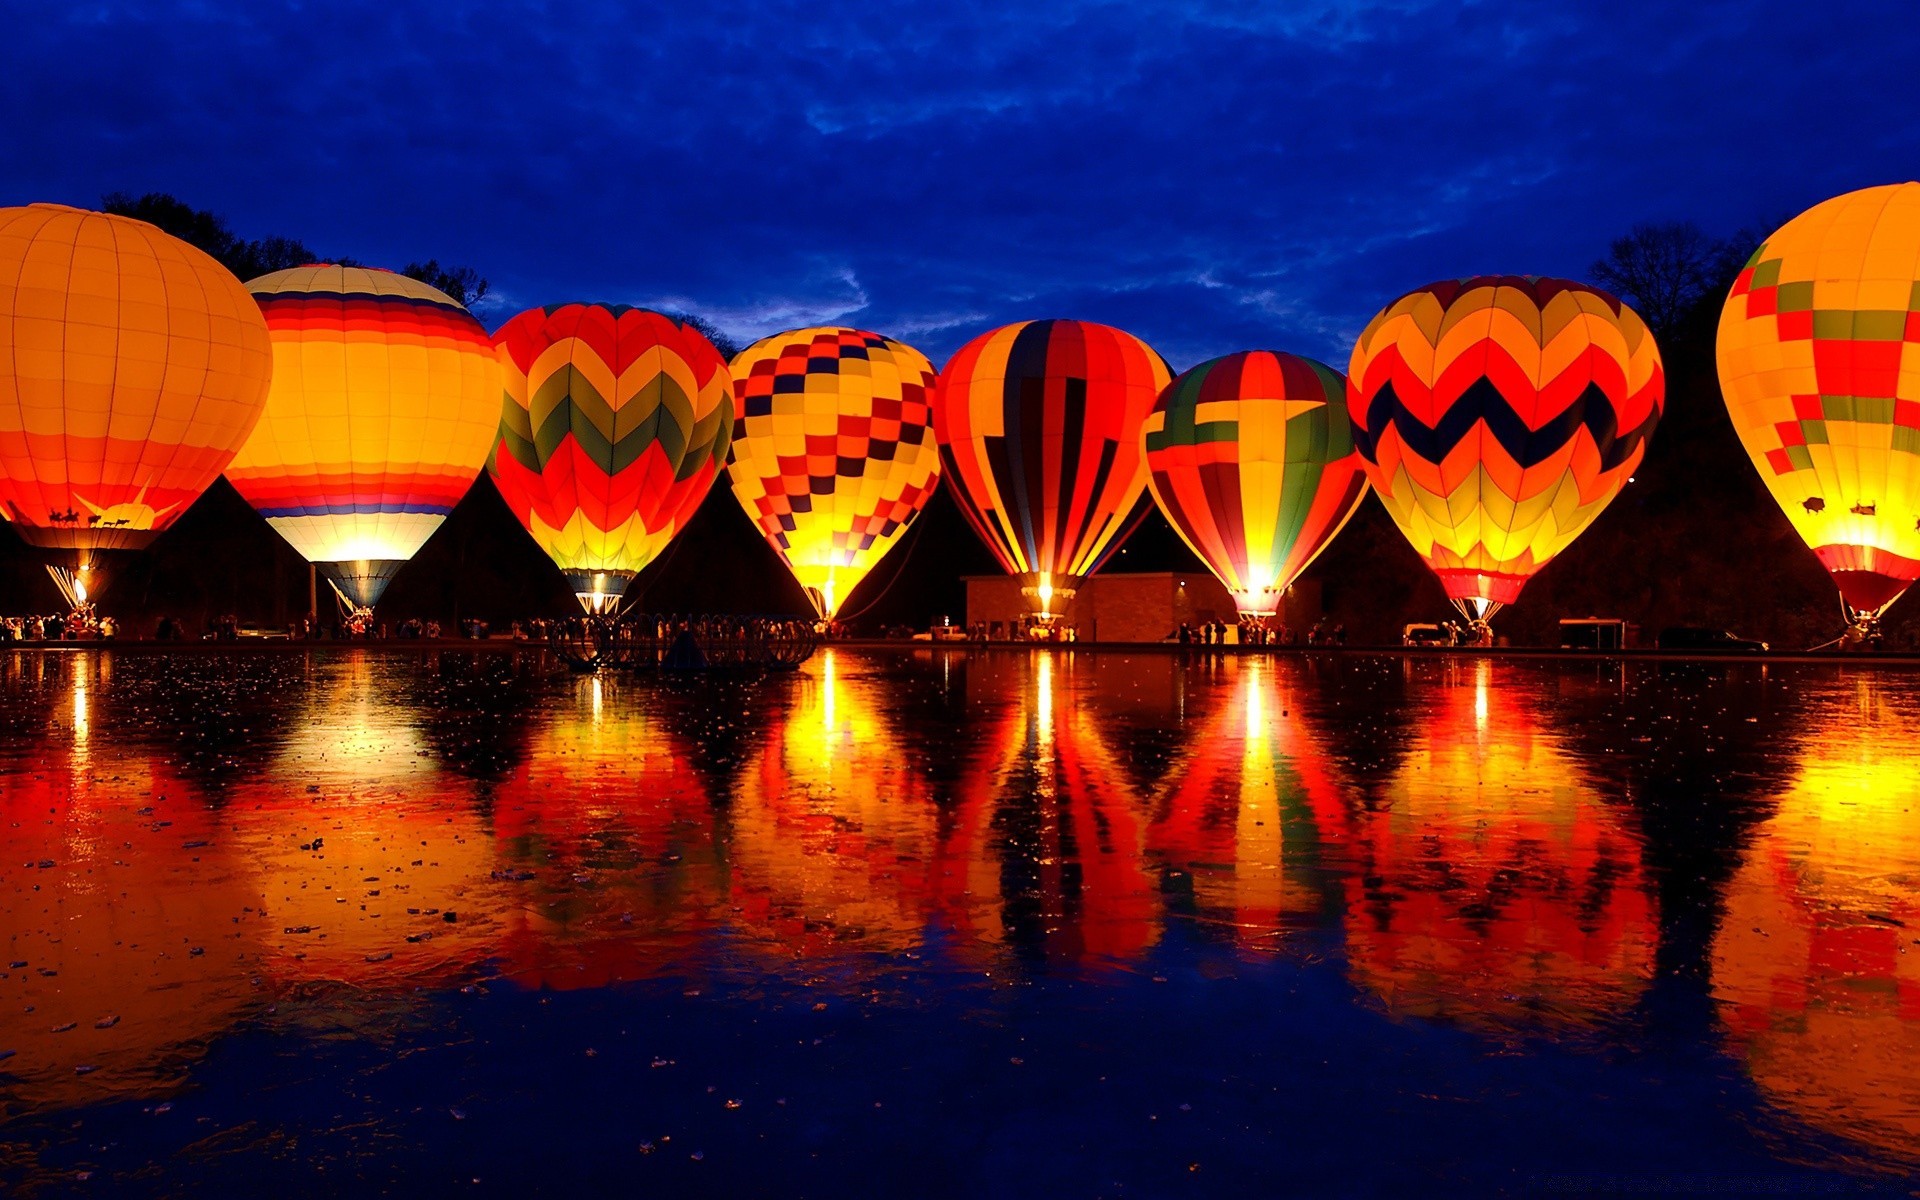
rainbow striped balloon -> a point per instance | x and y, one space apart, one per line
1039 428
384 402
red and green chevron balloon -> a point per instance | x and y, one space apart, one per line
614 424
1251 458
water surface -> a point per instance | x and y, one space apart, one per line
956 923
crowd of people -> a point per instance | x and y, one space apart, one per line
82 624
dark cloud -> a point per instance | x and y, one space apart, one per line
1211 177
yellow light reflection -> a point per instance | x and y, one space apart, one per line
1814 965
82 727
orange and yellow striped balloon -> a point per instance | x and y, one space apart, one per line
385 399
132 366
833 453
1498 416
1819 351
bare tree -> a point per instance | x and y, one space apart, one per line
210 232
464 284
727 347
1665 271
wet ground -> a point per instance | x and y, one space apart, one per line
951 924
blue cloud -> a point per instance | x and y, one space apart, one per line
1211 177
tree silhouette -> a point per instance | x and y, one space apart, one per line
464 284
210 232
1663 270
721 342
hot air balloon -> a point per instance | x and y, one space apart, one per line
1498 416
614 424
833 453
132 366
1039 430
385 401
1819 380
1251 459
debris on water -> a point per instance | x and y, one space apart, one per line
106 1022
195 845
85 1070
646 1147
732 1104
458 1114
70 1025
699 1156
449 916
383 956
161 1110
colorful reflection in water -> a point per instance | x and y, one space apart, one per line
1817 964
324 848
1495 884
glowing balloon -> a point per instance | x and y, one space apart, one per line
1821 374
132 366
1039 428
1498 416
385 401
833 451
615 422
1251 459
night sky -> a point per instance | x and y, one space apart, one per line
1210 177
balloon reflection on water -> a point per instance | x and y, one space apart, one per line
1069 813
834 836
118 902
354 848
1817 963
1492 884
608 862
1235 821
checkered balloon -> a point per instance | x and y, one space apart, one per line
833 455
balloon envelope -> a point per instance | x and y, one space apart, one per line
614 423
1497 417
1039 430
833 452
1251 458
132 366
385 401
1822 380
